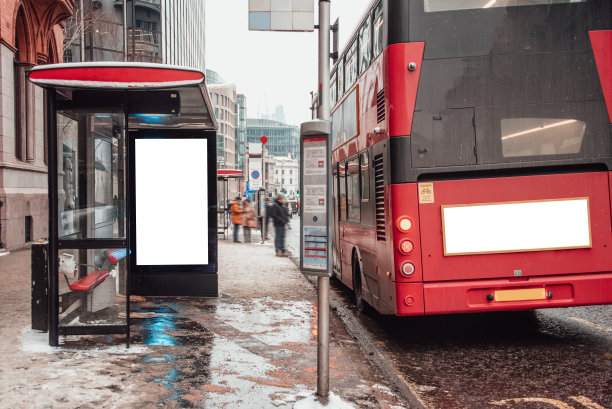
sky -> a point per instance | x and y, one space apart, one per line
270 68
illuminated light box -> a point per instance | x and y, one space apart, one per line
516 227
172 202
281 15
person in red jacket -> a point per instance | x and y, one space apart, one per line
236 209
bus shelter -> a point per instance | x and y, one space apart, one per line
132 190
223 207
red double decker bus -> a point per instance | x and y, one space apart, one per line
473 154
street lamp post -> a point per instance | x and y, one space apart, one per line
257 10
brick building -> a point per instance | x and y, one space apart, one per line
30 34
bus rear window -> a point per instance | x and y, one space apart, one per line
541 136
448 5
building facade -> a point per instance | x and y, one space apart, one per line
213 77
30 34
283 139
183 27
241 131
223 97
286 176
159 31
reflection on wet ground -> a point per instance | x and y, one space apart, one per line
233 348
508 358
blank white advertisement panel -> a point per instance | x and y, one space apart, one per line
514 227
171 202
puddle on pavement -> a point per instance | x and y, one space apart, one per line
233 349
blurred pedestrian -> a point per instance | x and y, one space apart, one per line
266 222
249 220
289 213
236 210
280 218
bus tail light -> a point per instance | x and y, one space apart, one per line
407 269
406 247
404 224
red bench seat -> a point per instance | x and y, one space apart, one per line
89 281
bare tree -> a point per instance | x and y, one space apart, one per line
100 27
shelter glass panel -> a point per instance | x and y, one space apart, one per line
91 175
92 287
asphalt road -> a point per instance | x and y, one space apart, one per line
553 358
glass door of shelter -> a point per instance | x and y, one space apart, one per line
92 294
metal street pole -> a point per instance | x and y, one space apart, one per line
323 293
125 31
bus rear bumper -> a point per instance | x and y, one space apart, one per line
508 294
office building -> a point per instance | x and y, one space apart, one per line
158 31
283 139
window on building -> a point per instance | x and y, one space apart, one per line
22 97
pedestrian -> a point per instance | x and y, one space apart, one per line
280 218
236 210
115 207
249 220
289 212
267 213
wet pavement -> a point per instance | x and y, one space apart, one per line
557 358
252 347
549 358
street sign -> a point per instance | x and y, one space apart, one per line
315 234
264 139
255 174
287 15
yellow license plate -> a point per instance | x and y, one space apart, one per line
521 295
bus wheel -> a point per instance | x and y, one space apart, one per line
362 306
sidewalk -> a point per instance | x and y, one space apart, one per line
254 346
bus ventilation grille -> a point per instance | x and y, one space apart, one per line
380 105
379 187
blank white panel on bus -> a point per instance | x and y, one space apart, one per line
171 202
515 227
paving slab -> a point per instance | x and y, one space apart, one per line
254 346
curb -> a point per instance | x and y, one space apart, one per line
368 345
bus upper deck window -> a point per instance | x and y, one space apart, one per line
448 5
541 136
365 45
350 69
378 30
